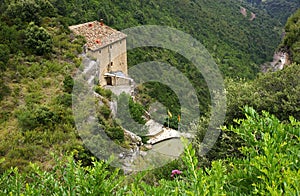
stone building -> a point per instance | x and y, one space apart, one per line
108 46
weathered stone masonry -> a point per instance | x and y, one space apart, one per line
108 46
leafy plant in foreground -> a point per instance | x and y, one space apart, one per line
272 153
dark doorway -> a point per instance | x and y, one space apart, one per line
108 81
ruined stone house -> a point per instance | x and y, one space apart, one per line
108 46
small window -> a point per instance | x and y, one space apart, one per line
99 51
110 46
121 42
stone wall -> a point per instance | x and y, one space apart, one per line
112 58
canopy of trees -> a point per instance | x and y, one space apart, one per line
291 42
279 9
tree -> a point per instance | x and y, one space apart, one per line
277 93
25 10
38 40
139 16
10 36
292 38
30 10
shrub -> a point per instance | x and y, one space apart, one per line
271 165
130 115
65 99
33 117
38 40
277 93
68 84
66 178
105 111
291 40
115 133
137 111
103 92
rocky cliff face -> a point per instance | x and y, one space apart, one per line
280 60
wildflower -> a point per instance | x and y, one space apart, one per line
175 172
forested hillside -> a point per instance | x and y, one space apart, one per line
291 41
279 9
257 151
238 45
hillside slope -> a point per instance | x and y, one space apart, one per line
237 43
279 9
291 41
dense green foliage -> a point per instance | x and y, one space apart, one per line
37 39
28 11
279 9
103 92
130 114
237 44
271 163
4 55
36 61
277 92
291 42
152 92
270 167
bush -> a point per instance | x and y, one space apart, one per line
103 92
105 111
130 115
68 84
277 93
291 41
271 166
38 40
30 118
137 111
115 133
67 177
65 99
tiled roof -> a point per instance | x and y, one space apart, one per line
97 34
